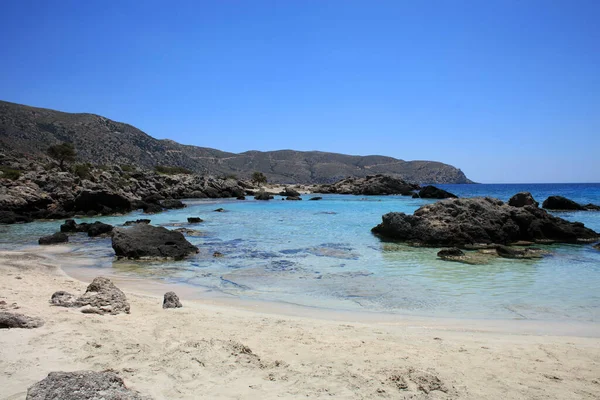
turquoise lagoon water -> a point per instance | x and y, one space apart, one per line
322 254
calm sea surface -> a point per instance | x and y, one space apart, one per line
322 254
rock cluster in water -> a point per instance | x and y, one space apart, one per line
464 222
372 185
562 203
432 192
54 194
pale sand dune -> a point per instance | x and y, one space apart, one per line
216 352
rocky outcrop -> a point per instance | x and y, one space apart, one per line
12 320
99 228
171 300
432 192
58 237
560 203
289 192
100 297
452 252
463 222
147 241
194 220
373 185
137 221
82 385
522 199
52 194
511 252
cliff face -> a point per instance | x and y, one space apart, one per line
30 131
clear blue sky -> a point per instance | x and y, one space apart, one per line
509 91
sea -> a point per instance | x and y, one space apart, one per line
322 255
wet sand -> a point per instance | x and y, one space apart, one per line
219 347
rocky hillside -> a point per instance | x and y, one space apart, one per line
30 131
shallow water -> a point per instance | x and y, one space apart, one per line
322 254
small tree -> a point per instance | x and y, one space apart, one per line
259 178
64 152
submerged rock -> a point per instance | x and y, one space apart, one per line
171 300
293 198
82 385
432 192
463 222
10 320
510 252
523 199
316 198
194 220
147 241
450 252
58 237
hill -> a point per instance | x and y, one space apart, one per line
30 131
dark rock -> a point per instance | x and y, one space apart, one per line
561 203
450 252
172 204
289 192
597 246
69 226
99 200
137 221
82 385
316 198
153 198
58 237
141 241
10 320
220 210
217 254
432 192
262 195
10 217
194 220
99 228
63 299
241 198
151 208
462 222
592 207
293 198
250 192
171 300
522 199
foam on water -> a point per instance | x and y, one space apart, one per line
322 254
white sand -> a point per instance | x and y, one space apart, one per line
203 350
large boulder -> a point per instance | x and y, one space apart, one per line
464 222
58 237
561 203
82 385
432 192
147 241
262 195
11 320
522 199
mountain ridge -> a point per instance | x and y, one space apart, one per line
31 130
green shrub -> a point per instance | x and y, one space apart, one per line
10 173
83 170
127 168
166 170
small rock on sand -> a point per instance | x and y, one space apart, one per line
171 300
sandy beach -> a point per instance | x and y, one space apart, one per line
216 351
